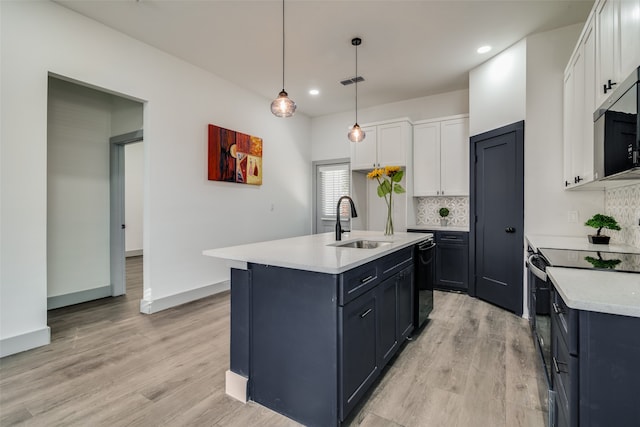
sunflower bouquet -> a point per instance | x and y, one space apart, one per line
388 183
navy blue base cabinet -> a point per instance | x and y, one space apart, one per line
595 368
311 344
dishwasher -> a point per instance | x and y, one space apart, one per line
424 278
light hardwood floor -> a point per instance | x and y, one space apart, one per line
109 365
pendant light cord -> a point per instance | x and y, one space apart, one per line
356 83
282 44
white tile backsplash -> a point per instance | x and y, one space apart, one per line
623 203
428 210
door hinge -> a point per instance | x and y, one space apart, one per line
123 226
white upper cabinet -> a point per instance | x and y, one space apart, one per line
618 43
608 50
579 105
364 154
385 144
441 157
629 36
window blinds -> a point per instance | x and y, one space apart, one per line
334 183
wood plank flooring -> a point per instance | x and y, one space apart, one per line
109 365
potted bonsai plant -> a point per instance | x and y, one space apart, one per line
600 221
444 213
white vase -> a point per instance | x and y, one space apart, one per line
444 222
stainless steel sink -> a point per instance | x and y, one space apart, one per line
362 244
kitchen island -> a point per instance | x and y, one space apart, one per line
314 322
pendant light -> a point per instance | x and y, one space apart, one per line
283 106
356 134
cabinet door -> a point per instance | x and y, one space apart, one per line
607 42
387 319
358 367
452 260
577 116
588 48
391 144
629 36
405 303
426 159
454 158
567 130
364 153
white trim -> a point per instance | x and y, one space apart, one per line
24 342
235 385
78 297
163 303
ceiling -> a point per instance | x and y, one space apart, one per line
410 48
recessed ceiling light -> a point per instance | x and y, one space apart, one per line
314 92
484 49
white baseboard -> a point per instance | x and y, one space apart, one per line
235 385
133 252
163 303
24 342
78 297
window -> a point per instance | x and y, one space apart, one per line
333 183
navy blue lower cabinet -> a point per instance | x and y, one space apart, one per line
595 367
452 260
359 364
405 303
388 319
311 344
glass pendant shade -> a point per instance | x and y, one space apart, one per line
283 106
356 134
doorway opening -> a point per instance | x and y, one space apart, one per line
80 191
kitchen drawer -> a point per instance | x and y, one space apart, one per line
356 282
567 320
392 264
452 237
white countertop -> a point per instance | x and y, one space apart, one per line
315 252
581 243
438 228
601 291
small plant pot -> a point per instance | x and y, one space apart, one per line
599 240
444 222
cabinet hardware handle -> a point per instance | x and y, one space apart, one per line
609 86
557 309
566 183
557 368
510 230
366 279
363 315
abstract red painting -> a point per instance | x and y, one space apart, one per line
234 156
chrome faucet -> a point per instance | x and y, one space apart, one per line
354 214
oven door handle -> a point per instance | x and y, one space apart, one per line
535 270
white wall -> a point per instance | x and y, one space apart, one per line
183 212
133 196
329 133
497 90
546 202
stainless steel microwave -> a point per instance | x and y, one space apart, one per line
617 132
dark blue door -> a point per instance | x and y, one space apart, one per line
497 200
